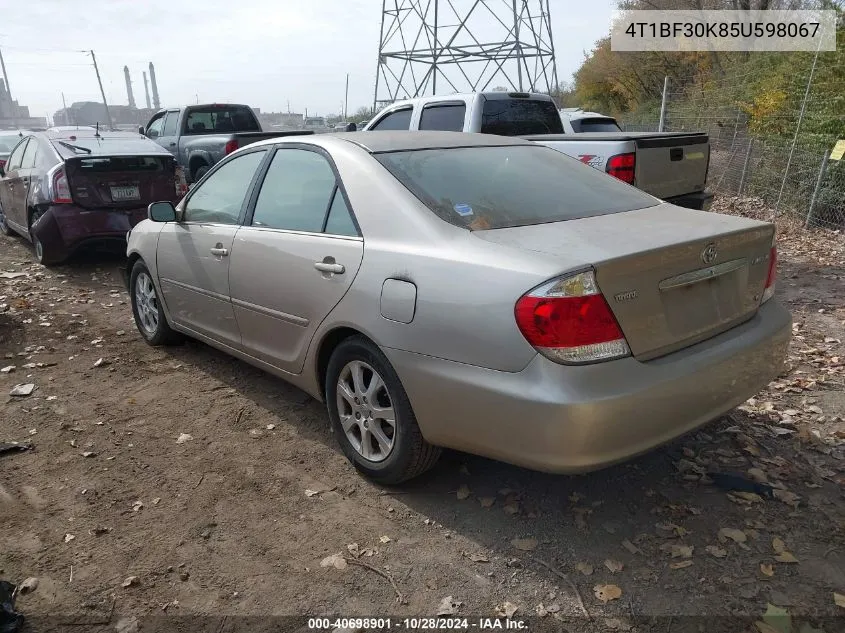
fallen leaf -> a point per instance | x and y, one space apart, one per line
511 508
101 362
613 565
463 492
137 506
678 550
385 539
745 497
839 599
184 437
767 570
778 545
31 584
789 498
553 608
525 544
585 568
22 390
606 593
131 581
541 610
506 610
448 606
777 618
628 545
716 551
786 557
738 536
335 560
487 502
478 558
69 538
354 549
680 564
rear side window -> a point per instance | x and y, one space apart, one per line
296 192
449 118
498 187
170 122
28 161
520 117
595 125
220 119
399 120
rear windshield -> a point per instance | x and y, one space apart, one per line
595 125
122 163
135 144
221 119
499 187
520 117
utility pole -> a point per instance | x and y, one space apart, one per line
346 99
64 109
663 103
5 77
102 92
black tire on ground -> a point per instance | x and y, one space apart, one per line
200 172
4 228
410 455
162 333
42 255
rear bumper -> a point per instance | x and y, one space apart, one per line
65 228
701 201
558 418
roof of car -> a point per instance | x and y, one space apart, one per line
398 141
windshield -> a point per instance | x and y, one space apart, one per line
230 118
499 187
520 117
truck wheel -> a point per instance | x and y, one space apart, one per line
200 172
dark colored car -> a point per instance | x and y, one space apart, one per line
63 190
8 140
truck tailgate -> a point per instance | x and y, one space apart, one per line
669 166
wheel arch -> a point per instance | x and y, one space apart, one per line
328 344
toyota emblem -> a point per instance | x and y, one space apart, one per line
709 254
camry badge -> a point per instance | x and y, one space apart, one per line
626 296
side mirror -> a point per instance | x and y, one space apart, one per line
351 128
141 130
161 212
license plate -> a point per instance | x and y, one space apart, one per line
119 194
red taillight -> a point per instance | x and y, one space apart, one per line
771 277
231 146
60 187
622 167
181 183
568 320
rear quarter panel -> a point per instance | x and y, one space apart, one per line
592 153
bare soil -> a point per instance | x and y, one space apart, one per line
236 519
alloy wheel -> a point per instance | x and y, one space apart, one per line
146 303
366 411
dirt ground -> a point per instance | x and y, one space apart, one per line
121 520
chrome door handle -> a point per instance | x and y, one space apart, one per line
222 252
325 267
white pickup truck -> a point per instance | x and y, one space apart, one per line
670 166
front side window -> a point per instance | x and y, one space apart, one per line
296 192
170 122
28 161
449 118
399 120
17 156
154 128
220 197
506 186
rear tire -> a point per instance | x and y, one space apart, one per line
379 434
146 308
4 227
201 171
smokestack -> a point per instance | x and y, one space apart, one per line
156 102
147 91
129 87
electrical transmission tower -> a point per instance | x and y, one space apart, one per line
444 46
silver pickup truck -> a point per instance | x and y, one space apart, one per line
670 166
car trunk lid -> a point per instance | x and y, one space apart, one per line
121 182
672 276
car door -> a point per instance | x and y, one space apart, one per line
194 253
169 132
14 188
295 257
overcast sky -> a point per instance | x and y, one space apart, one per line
262 52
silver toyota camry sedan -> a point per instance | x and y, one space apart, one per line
475 292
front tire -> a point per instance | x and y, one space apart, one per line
5 229
146 308
372 417
201 171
